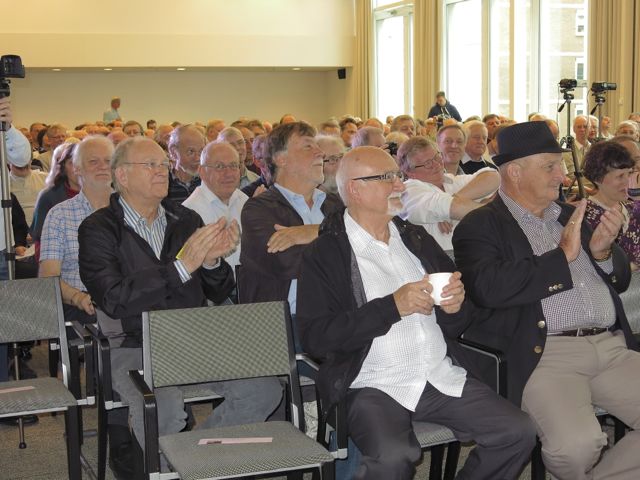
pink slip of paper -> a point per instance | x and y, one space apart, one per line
234 441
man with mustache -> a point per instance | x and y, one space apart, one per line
367 313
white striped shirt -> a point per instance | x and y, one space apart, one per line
153 235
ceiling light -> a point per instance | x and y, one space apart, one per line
56 69
181 69
107 69
296 69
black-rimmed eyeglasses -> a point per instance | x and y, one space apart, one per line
384 177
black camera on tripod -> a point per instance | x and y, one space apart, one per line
567 84
10 67
601 87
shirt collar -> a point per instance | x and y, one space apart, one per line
360 239
318 195
551 213
211 197
132 217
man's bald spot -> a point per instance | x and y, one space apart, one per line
212 150
360 162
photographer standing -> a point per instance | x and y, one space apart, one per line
443 108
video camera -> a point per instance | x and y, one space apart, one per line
10 67
599 87
568 84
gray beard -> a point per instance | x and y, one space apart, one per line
330 184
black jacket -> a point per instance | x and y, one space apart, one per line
448 110
502 275
266 277
337 326
125 278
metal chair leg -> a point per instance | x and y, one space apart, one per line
538 470
435 469
619 429
73 443
102 438
451 464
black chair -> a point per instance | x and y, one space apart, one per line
32 310
107 398
225 343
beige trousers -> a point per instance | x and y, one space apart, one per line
573 375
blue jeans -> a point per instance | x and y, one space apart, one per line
4 364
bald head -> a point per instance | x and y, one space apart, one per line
361 162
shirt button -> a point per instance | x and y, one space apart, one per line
537 349
541 324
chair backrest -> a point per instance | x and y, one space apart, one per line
631 302
209 344
30 309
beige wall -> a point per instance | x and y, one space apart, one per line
72 98
156 33
214 37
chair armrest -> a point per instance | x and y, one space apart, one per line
498 357
151 447
303 357
102 359
89 359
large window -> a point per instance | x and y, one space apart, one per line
393 60
464 56
507 56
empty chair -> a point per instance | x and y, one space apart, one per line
224 343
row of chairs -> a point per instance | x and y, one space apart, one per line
221 343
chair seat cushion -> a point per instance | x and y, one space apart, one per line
48 394
430 434
290 449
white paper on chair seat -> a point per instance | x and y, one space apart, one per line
234 441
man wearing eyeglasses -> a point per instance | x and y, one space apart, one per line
144 252
436 199
367 314
56 135
219 196
233 137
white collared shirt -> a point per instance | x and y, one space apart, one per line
413 352
425 204
210 208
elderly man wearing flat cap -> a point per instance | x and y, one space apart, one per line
551 285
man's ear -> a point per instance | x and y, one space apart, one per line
121 176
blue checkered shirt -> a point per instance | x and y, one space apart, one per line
59 240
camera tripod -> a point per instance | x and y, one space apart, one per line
569 143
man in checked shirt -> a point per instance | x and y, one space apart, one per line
366 312
552 286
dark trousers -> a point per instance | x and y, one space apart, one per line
381 429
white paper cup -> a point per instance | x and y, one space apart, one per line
438 282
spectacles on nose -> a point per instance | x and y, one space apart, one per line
152 166
220 167
388 177
434 162
333 159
